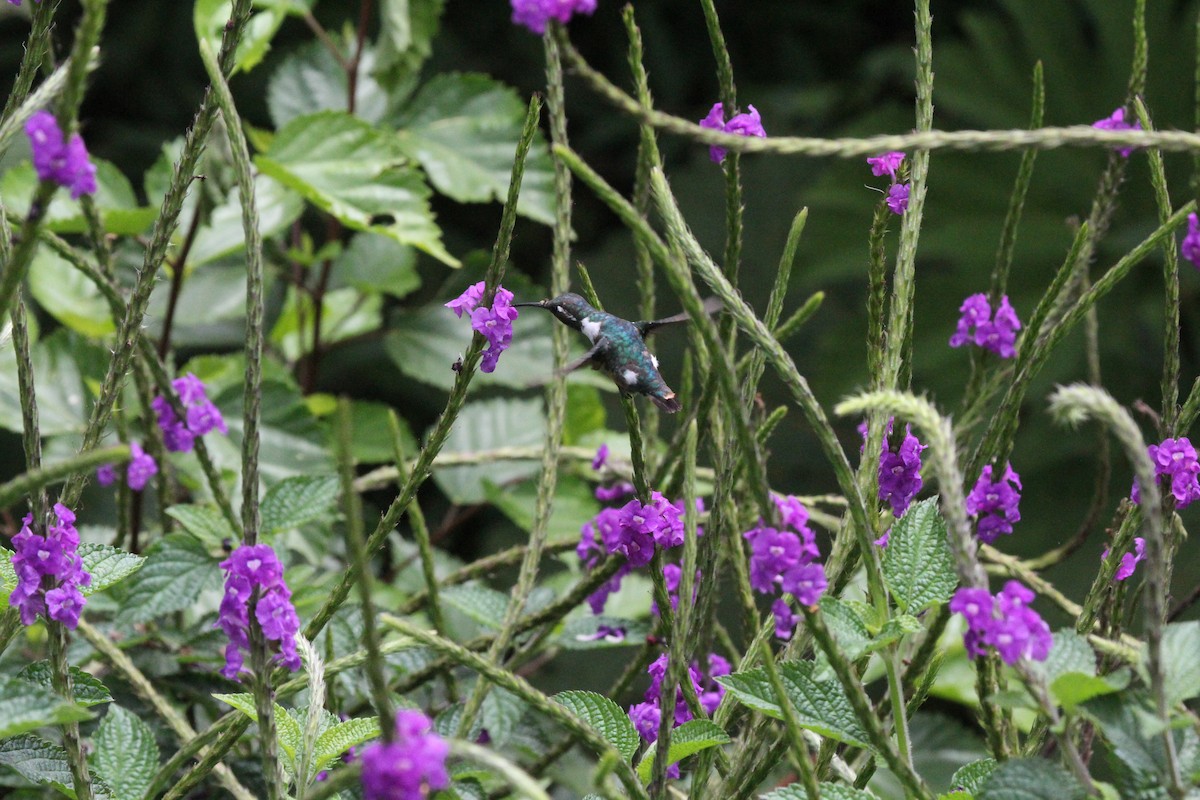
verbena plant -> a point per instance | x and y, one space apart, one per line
139 648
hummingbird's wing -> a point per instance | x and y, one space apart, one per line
646 327
583 361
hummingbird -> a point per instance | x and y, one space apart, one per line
618 346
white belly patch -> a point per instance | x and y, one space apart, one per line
591 329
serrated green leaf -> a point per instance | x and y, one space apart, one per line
378 264
1030 779
463 129
821 705
107 565
606 717
88 689
125 755
1181 667
477 602
502 711
345 313
294 501
688 739
223 233
847 627
1139 761
39 761
68 296
969 777
896 629
288 731
177 569
62 363
917 564
341 737
204 522
486 425
349 169
1072 688
574 505
310 80
406 32
829 791
209 18
25 706
1070 653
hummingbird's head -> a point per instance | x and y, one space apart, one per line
570 308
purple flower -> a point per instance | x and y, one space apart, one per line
494 324
1191 243
659 519
976 325
49 571
607 494
1004 622
468 301
772 553
408 767
897 198
1129 561
900 473
886 164
202 415
746 124
1177 458
995 504
251 567
601 457
785 619
805 582
646 718
534 14
106 475
65 163
1116 122
141 468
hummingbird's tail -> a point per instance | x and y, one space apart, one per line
666 402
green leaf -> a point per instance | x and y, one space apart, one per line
1070 653
829 791
373 263
205 522
341 737
970 777
1073 688
68 296
107 565
1030 779
821 705
579 633
351 170
371 432
1181 667
345 313
605 717
25 706
114 198
310 80
917 564
502 711
89 691
424 342
406 32
477 602
176 571
288 731
1139 760
209 18
39 761
689 738
487 425
464 129
126 755
847 627
63 364
223 233
294 501
574 505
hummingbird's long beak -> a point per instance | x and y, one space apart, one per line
538 303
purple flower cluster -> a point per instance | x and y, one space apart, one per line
49 571
1129 560
994 504
977 326
138 472
1175 458
646 716
534 14
783 560
202 415
1004 622
494 324
247 568
1191 242
64 162
899 468
601 457
1116 122
889 164
746 124
409 766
